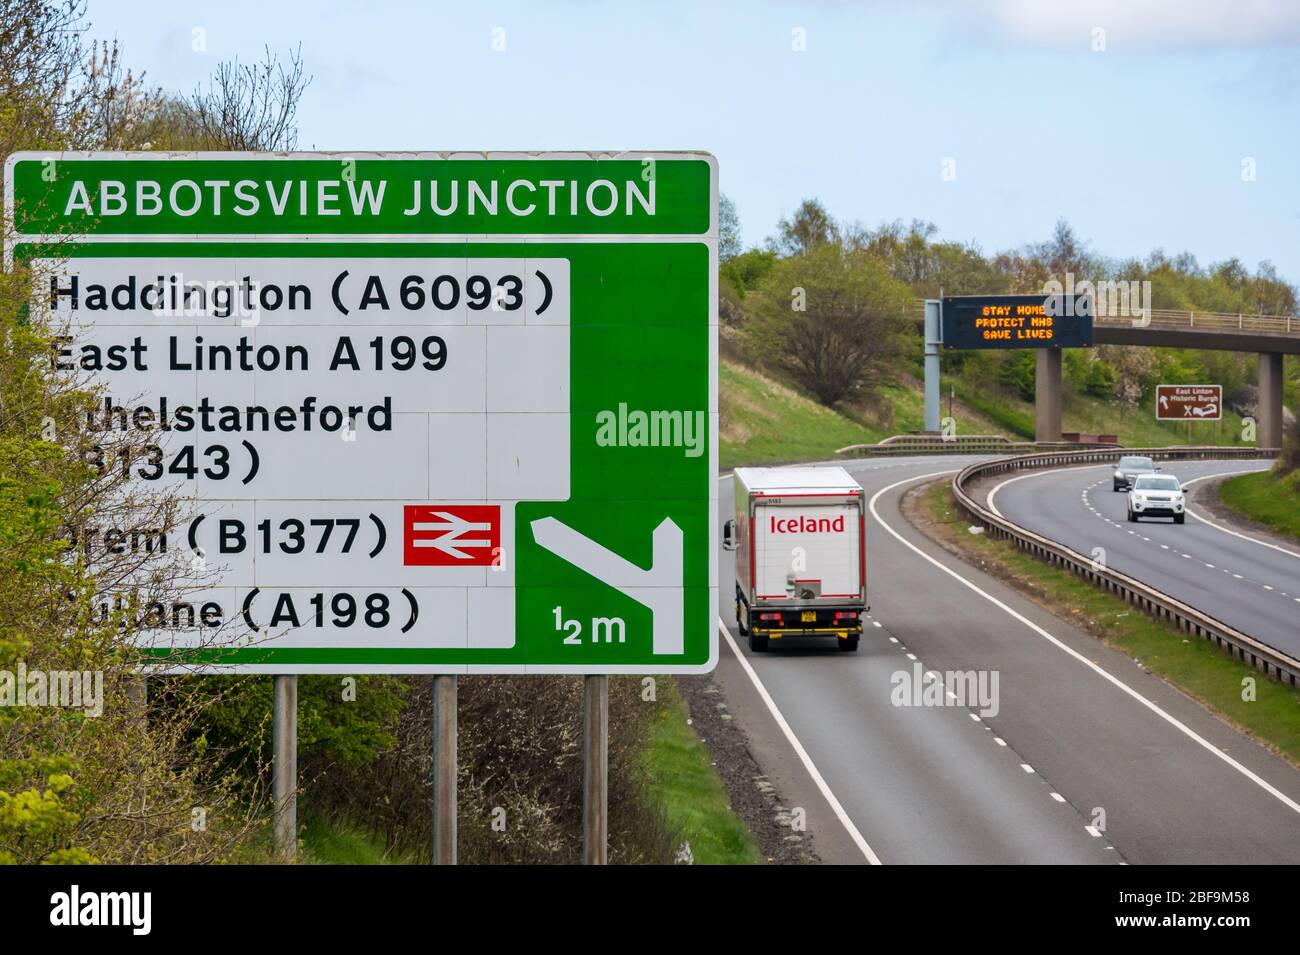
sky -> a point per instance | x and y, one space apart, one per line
1171 124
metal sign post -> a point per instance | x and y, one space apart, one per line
284 765
595 770
444 770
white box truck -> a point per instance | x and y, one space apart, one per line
800 550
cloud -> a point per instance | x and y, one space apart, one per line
1147 24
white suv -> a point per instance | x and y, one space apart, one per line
1156 495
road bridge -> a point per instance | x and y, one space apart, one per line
1269 336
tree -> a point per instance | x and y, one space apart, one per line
251 108
117 779
810 228
833 319
747 270
730 244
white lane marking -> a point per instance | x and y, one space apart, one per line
992 502
1058 797
1102 672
1093 831
1217 526
802 753
1026 767
1000 741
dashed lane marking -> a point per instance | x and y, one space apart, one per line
1109 677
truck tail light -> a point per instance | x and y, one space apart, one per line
846 615
769 616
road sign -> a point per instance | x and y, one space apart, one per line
1017 321
1189 402
437 413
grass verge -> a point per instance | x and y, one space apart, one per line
763 421
1191 664
331 843
691 792
1268 498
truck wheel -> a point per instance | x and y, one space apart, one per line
849 644
740 623
756 643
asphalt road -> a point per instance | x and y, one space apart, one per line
1088 759
1245 584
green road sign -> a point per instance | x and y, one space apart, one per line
437 413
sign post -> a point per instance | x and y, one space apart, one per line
595 770
444 769
284 765
433 413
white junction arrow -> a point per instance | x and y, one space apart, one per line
659 588
451 541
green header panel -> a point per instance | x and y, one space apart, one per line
355 194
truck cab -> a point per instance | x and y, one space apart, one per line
800 545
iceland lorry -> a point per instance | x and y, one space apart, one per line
799 540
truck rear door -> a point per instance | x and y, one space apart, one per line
808 550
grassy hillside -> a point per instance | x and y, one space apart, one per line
1271 499
764 421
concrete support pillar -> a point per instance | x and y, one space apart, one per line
1270 400
1047 395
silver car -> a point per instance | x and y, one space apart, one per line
1129 467
1156 495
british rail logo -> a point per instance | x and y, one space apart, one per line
442 535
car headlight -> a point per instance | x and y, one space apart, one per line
1119 474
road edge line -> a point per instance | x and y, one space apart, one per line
1055 641
802 753
1219 527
